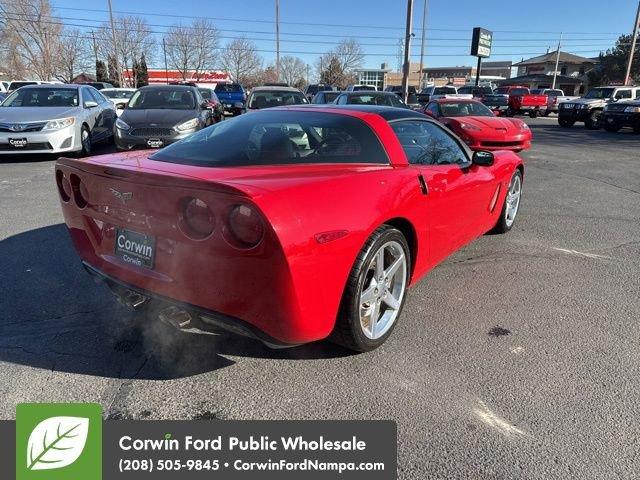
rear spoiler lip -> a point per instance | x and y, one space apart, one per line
152 176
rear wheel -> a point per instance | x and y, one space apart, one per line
564 123
593 120
546 113
511 204
375 292
510 112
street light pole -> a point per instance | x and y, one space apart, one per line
424 20
115 45
555 71
407 51
627 77
278 40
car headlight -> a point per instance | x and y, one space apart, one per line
122 125
59 123
188 125
632 110
468 126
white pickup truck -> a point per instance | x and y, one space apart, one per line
554 98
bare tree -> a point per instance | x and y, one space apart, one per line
192 48
240 58
32 36
350 54
292 70
133 39
74 55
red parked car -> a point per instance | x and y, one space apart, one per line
521 100
289 225
479 127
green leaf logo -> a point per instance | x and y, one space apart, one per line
57 442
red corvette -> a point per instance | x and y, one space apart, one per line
478 127
290 224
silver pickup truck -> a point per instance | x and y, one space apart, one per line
554 98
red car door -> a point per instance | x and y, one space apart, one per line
458 193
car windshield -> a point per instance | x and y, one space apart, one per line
464 109
273 98
444 91
599 93
42 97
228 88
117 94
501 90
330 96
163 99
519 91
278 137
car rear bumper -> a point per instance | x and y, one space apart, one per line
199 319
55 141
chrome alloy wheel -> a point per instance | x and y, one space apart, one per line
383 290
513 200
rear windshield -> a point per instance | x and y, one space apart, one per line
163 99
228 88
272 98
363 88
16 85
390 100
445 91
118 94
43 97
278 137
519 91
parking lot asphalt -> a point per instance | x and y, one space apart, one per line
518 358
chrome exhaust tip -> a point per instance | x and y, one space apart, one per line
176 317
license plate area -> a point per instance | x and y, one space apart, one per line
18 142
155 143
135 248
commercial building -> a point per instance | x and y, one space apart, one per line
461 75
373 76
569 65
203 79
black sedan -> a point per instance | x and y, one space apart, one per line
161 114
621 114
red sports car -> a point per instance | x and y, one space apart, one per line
289 225
478 126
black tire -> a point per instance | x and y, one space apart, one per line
636 128
348 330
593 120
510 112
502 226
533 113
87 145
612 128
546 113
564 123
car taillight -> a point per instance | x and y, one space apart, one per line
64 187
80 194
196 220
245 226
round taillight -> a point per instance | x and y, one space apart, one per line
246 225
64 187
197 219
79 191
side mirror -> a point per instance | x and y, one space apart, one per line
483 159
90 104
121 106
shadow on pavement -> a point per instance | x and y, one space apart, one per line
578 135
54 316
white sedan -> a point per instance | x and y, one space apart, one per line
119 97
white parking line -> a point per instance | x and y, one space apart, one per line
501 425
580 254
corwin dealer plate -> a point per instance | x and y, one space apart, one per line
18 142
135 248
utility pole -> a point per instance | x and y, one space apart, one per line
555 71
627 78
166 69
278 40
407 51
115 44
424 20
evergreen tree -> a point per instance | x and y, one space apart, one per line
613 64
101 72
113 73
143 72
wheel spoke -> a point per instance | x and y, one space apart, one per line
390 300
373 319
390 272
380 263
369 295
